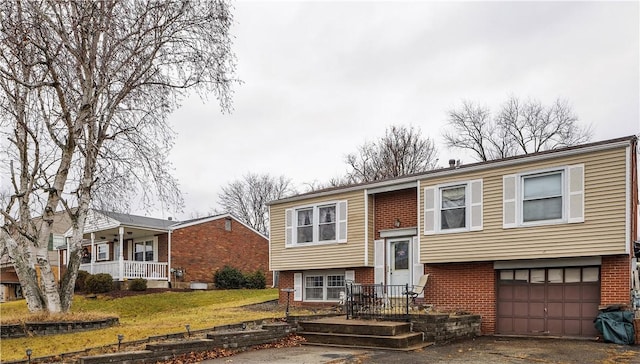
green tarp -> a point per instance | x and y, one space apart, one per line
616 327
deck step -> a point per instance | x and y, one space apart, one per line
356 327
374 341
422 345
340 332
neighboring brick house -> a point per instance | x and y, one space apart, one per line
533 243
168 253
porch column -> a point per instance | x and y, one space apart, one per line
66 261
121 254
93 252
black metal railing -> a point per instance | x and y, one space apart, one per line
377 301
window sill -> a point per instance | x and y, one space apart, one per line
302 245
542 223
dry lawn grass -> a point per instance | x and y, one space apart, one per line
140 317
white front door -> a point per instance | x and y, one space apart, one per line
399 261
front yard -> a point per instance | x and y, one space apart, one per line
140 316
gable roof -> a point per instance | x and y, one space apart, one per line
411 180
201 220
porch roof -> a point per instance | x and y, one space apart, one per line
108 223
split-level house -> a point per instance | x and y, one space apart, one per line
168 253
534 243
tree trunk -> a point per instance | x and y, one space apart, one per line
24 269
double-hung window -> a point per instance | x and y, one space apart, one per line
304 225
102 252
144 250
322 286
320 223
542 197
452 208
551 196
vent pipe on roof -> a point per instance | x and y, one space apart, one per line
452 163
170 218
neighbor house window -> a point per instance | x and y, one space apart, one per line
103 252
542 197
143 251
323 286
321 223
453 207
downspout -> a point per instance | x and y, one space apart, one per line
169 258
366 228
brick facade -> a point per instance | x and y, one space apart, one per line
469 287
204 248
615 279
389 206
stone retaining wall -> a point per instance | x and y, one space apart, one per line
53 328
440 328
270 332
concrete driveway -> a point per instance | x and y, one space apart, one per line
486 349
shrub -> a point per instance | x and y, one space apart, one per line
256 280
229 278
99 283
80 280
138 284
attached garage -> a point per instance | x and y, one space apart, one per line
555 301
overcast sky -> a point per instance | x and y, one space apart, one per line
321 78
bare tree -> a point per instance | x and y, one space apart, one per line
86 89
247 198
518 128
403 150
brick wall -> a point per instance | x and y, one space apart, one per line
390 206
204 248
466 287
615 280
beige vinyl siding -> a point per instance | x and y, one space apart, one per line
601 233
320 256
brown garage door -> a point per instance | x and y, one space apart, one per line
548 301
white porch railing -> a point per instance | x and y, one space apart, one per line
132 269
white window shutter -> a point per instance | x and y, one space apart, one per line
288 226
418 268
476 205
429 210
130 250
342 221
297 286
378 261
509 201
575 200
